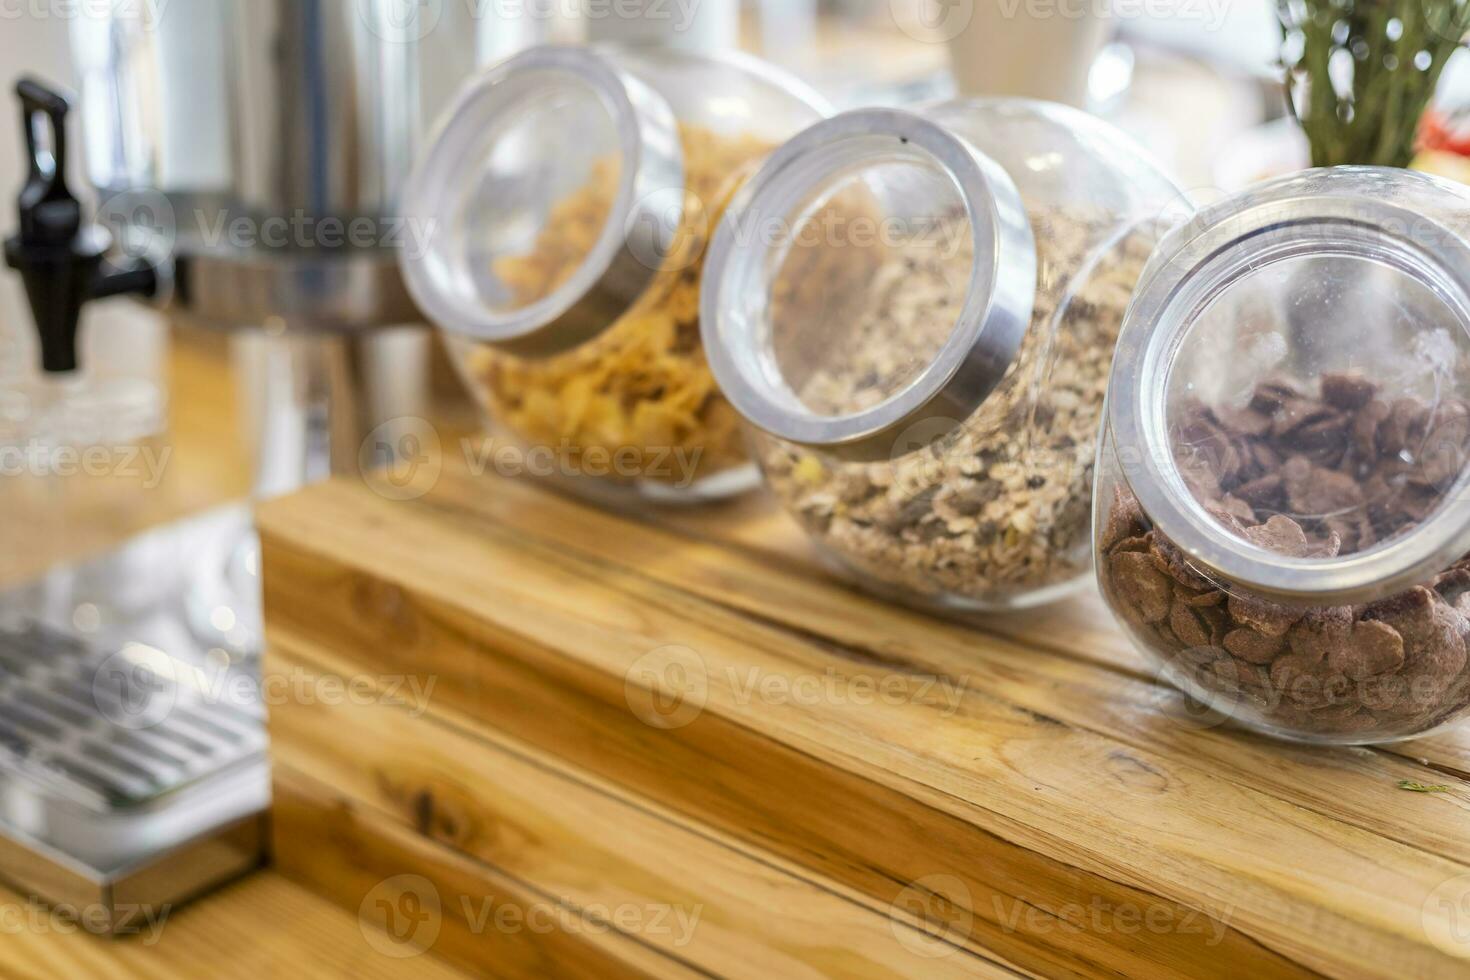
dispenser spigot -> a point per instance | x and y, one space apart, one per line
61 259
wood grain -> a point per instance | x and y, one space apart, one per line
777 796
1080 628
430 903
588 844
260 928
1053 783
1025 659
257 929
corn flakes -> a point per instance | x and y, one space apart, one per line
642 386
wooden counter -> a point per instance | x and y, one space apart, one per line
263 927
559 708
57 520
258 929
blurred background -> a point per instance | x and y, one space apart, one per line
279 366
1198 81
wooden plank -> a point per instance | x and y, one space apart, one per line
687 891
1360 786
427 899
1079 628
1030 808
778 797
261 927
752 531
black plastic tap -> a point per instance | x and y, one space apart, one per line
62 260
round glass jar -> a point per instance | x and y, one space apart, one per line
915 312
1282 514
559 222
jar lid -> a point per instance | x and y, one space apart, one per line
1290 398
544 203
870 287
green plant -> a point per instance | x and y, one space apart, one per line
1361 72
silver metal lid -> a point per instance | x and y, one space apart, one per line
494 173
1344 214
988 323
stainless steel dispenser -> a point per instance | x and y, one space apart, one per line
247 156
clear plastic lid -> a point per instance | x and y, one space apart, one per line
877 276
562 183
1291 396
891 241
546 201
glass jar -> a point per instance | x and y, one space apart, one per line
915 312
1283 518
557 231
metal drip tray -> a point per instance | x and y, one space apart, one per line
113 731
129 776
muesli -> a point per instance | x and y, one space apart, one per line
998 503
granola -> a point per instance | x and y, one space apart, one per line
989 508
1306 472
642 386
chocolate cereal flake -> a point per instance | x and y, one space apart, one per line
1308 472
